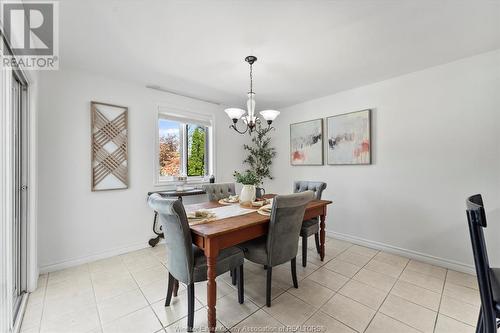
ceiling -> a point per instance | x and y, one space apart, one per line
305 49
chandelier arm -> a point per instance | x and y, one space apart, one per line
233 126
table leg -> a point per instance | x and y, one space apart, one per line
322 236
211 252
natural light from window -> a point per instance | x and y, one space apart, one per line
183 149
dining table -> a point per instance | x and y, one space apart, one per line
224 232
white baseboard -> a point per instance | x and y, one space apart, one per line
446 263
83 260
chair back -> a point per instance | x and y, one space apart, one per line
180 259
477 221
306 185
219 191
287 215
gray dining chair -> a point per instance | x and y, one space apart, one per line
185 261
219 191
309 227
280 245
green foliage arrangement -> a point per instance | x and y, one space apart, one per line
246 178
261 154
196 164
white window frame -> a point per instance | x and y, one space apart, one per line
173 113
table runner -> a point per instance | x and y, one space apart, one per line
224 212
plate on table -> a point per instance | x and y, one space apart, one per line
231 200
265 210
200 216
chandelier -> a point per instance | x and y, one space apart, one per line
249 118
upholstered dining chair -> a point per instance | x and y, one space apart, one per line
185 261
309 227
488 278
219 191
281 243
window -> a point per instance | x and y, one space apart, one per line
183 147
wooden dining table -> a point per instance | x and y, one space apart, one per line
223 233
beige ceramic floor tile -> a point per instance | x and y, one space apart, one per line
330 252
313 257
200 290
391 259
32 317
158 290
200 324
385 324
374 279
81 321
290 310
255 288
328 278
459 310
351 313
108 264
150 275
383 268
119 306
68 273
69 288
30 330
142 263
416 294
338 244
259 321
409 313
230 312
354 258
312 292
57 306
363 293
467 295
422 280
117 272
141 321
365 251
302 272
113 287
426 269
462 279
177 309
446 324
327 324
342 267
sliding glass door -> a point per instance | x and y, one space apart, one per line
19 189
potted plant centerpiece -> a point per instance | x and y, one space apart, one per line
249 180
260 156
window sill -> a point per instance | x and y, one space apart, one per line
174 183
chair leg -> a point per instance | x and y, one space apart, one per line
190 292
304 251
176 287
316 239
293 263
479 327
170 288
233 276
268 286
241 292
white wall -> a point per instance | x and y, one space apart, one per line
76 225
436 140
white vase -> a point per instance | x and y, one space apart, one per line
247 193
